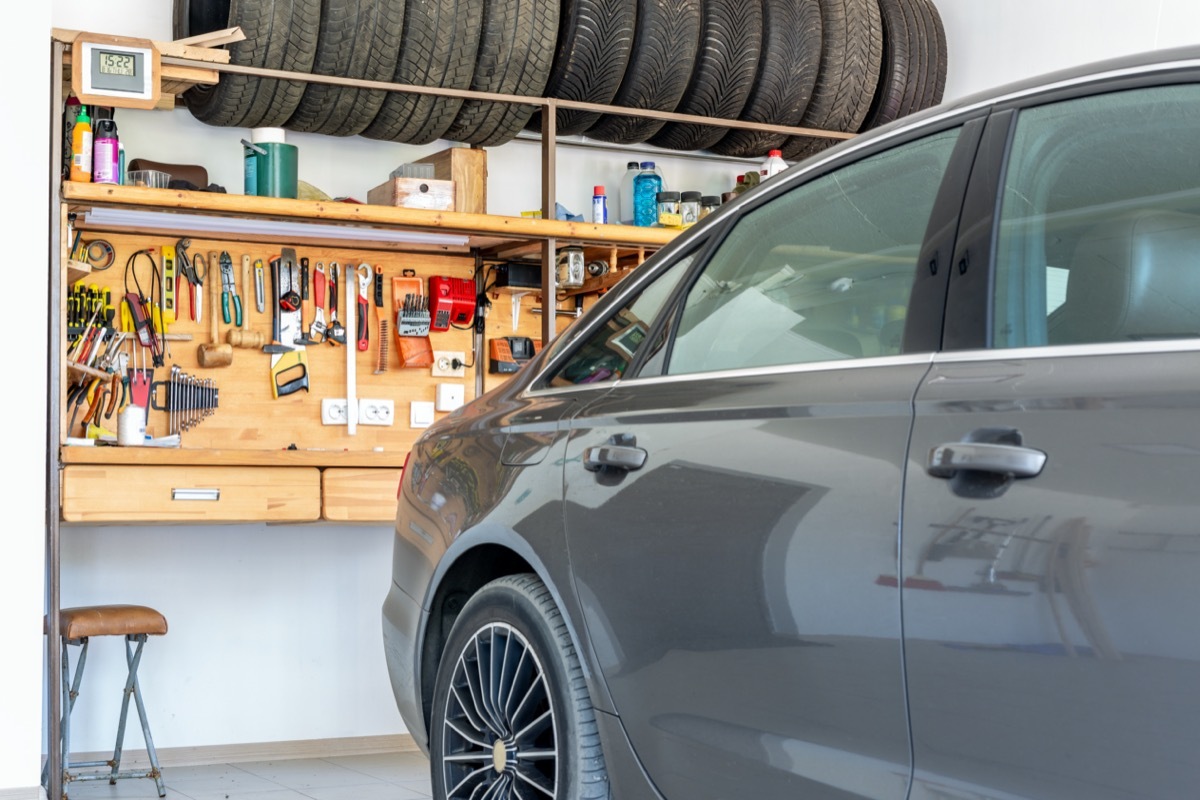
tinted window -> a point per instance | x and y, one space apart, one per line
1100 222
606 353
822 272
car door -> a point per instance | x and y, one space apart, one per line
731 511
1051 549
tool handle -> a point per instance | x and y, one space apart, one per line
319 288
237 309
225 307
333 289
363 330
304 278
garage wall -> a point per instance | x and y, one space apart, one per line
275 629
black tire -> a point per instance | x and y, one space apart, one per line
665 41
911 62
516 49
851 53
595 38
731 34
437 49
280 34
934 43
787 72
358 39
512 622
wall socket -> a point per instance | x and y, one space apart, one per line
370 412
443 364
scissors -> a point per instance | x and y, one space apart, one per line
194 270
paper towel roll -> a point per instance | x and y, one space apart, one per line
131 426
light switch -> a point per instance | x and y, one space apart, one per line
420 414
449 396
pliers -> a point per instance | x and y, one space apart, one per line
190 268
229 295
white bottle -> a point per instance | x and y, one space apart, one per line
625 193
774 164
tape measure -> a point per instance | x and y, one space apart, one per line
99 254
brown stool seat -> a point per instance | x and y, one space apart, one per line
114 620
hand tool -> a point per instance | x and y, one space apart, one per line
213 353
335 334
229 295
251 339
245 284
276 345
413 318
289 367
302 336
193 269
170 276
364 284
260 299
75 397
381 363
139 308
317 329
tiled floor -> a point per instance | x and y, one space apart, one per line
388 776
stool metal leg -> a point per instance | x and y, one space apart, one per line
70 691
132 688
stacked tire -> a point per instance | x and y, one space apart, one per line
828 65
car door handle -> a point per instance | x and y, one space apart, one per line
1020 462
620 452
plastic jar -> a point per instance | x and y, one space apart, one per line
669 215
646 187
689 207
708 204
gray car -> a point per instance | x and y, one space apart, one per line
883 481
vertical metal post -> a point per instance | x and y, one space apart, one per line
54 663
549 201
477 335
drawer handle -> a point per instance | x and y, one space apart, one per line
196 494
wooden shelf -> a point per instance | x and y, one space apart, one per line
492 235
173 456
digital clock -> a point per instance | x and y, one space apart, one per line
115 71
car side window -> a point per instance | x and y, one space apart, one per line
1099 225
606 353
822 272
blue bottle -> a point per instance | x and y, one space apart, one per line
646 187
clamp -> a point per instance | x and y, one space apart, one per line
364 286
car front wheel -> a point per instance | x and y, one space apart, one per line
511 713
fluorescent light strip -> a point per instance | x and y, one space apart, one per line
168 221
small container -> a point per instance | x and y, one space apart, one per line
599 205
646 187
625 196
774 164
669 214
151 178
689 207
708 204
105 152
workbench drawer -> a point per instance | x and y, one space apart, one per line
360 495
102 493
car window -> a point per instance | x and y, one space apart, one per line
1099 234
605 354
822 272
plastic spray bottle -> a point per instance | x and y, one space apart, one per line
106 153
81 147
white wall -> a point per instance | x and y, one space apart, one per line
293 611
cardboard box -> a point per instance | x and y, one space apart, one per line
467 168
414 193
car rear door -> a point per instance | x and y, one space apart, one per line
1051 549
731 512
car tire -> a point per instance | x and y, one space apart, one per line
730 46
851 53
914 61
787 71
595 38
512 628
358 39
516 49
280 34
665 40
437 48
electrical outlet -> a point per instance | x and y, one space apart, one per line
333 411
376 412
444 364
